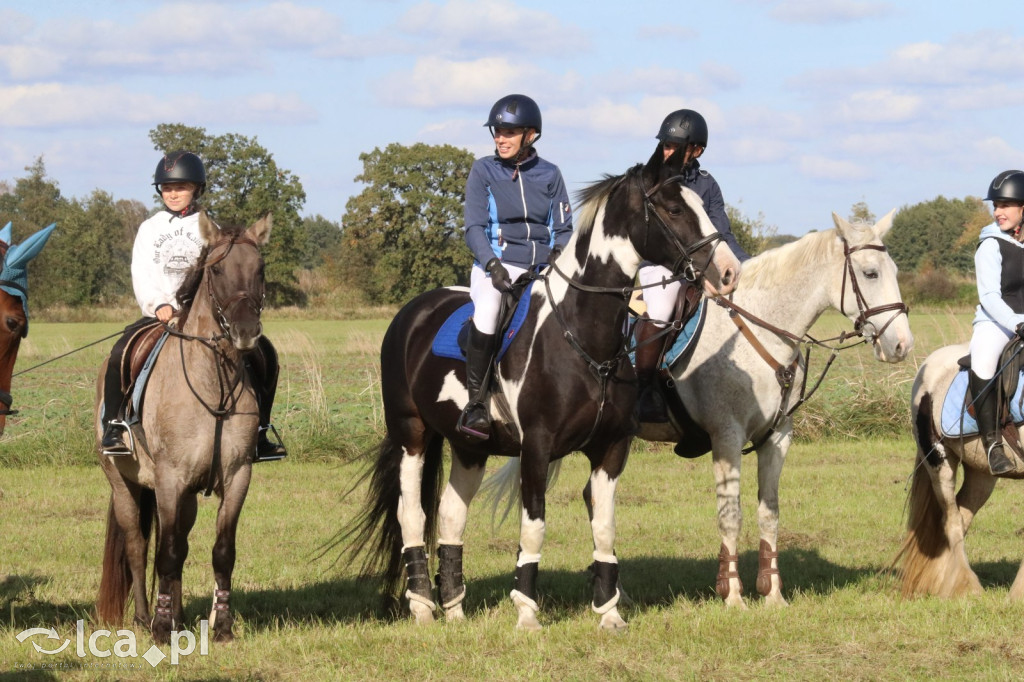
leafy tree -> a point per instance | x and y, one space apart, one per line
244 183
322 237
402 234
752 234
860 213
941 233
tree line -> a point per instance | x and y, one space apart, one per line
401 235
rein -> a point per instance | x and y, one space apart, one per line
786 373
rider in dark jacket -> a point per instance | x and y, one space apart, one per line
682 132
517 217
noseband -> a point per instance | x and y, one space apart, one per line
220 308
865 311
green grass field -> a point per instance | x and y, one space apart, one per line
302 618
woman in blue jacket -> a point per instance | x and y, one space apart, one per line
999 268
517 217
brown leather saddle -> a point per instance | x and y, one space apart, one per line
136 352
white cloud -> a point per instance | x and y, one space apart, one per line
672 32
824 168
435 82
881 106
491 27
54 105
827 11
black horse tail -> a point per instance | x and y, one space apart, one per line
116 576
376 532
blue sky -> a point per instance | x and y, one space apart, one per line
813 105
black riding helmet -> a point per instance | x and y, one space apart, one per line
1007 186
515 111
684 127
181 166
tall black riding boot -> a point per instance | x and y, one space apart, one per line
475 421
650 403
986 408
114 427
263 370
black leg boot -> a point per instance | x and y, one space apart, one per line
475 421
650 403
987 410
264 369
114 427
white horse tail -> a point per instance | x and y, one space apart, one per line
927 561
505 485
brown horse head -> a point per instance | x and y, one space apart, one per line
12 327
227 281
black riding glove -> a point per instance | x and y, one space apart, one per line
1020 331
556 251
500 279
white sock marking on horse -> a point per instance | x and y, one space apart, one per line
602 496
531 538
410 511
453 511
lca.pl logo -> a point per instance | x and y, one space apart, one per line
124 647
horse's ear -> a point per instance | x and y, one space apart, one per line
842 226
654 170
259 231
883 226
208 229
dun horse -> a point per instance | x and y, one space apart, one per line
14 306
564 384
933 558
198 432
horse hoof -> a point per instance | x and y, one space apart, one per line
613 622
224 637
423 614
775 599
454 613
529 624
736 602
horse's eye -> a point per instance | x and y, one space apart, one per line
13 324
871 274
675 211
216 269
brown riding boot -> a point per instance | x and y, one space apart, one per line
987 410
650 403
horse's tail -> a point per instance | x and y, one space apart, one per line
927 562
504 485
116 576
376 532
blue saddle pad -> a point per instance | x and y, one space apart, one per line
688 335
446 342
956 421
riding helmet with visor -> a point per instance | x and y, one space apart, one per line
515 111
1007 186
684 127
181 166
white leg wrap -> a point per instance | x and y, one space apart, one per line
413 597
456 601
521 600
607 606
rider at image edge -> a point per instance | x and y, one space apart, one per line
166 246
998 264
517 217
682 132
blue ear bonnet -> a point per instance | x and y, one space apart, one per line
14 275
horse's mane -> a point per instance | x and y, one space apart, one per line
593 196
813 248
186 293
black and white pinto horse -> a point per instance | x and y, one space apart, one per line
565 384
